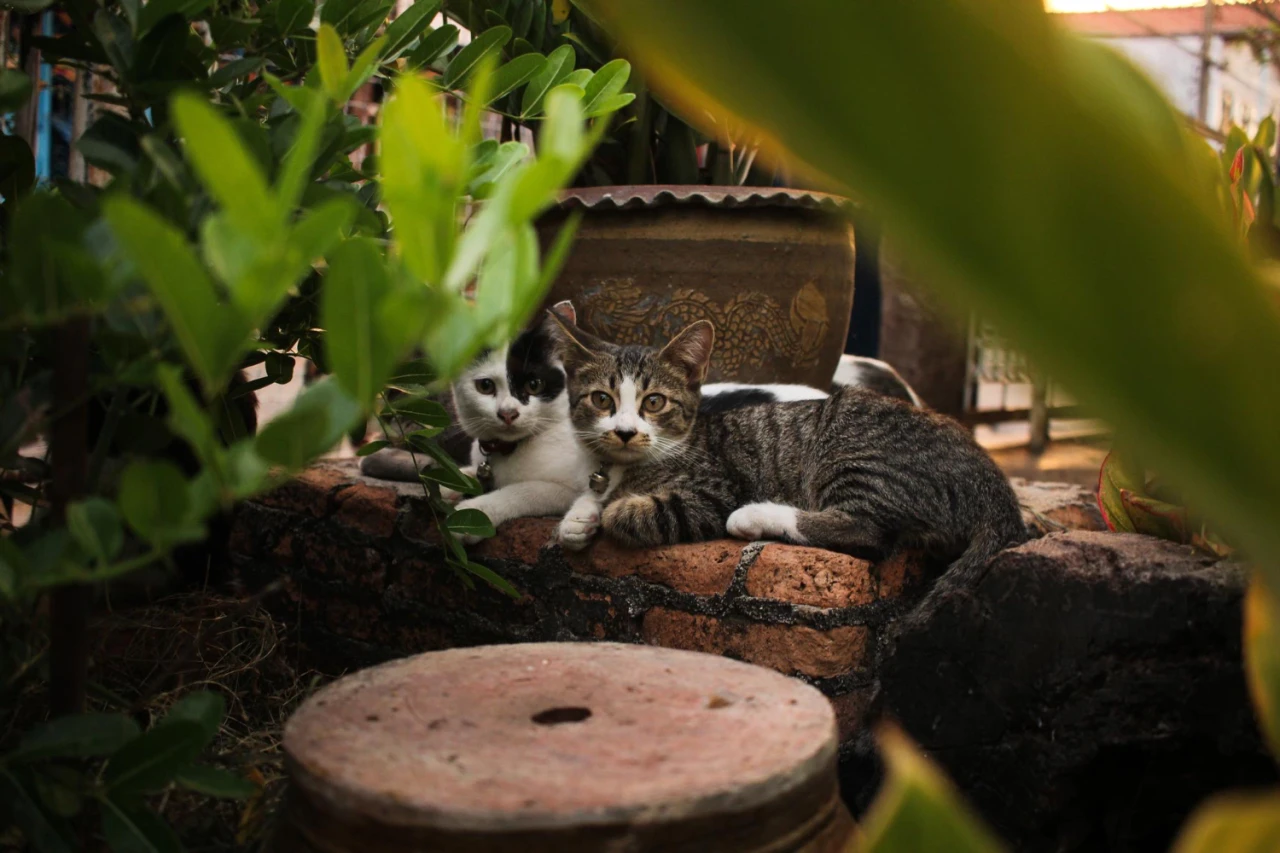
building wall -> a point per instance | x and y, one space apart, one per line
1242 90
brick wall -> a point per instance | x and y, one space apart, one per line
365 581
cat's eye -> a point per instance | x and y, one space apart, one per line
486 387
533 386
601 400
654 403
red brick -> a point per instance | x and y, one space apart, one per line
242 540
351 565
348 619
284 549
901 574
369 509
308 492
418 524
786 648
519 539
701 568
811 576
852 712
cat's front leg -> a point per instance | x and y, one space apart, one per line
647 520
581 523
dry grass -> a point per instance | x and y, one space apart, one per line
151 656
148 656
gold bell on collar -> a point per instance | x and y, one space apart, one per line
599 482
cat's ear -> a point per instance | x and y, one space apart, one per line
565 311
576 346
690 351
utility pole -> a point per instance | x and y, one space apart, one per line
1206 63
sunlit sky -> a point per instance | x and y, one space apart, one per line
1101 5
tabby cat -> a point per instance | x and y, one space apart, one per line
856 470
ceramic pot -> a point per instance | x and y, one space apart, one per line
771 268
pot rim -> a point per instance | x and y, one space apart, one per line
639 196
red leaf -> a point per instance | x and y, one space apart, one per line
1237 165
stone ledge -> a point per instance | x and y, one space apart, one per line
366 577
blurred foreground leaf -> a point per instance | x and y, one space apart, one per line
917 809
1078 218
1262 657
1235 823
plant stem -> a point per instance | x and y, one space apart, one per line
69 605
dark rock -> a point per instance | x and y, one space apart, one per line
1085 693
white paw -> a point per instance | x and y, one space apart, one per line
764 521
579 527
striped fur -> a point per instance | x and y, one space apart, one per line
855 471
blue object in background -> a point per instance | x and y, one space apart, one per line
44 109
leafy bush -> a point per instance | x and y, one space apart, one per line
238 230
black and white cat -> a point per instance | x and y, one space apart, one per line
511 404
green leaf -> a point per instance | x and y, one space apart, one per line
422 167
462 65
917 809
78 736
213 782
320 417
235 70
51 273
15 88
402 32
528 302
1262 657
186 416
116 38
155 10
153 498
611 104
339 14
372 448
95 526
362 69
452 479
421 410
514 74
531 285
134 828
1233 823
331 59
293 16
360 355
432 46
112 144
1079 224
579 79
40 829
554 69
149 762
225 167
489 171
492 578
211 335
205 708
470 522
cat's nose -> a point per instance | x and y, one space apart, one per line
508 415
624 435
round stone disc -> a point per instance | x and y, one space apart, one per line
560 745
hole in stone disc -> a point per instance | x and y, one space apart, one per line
556 716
